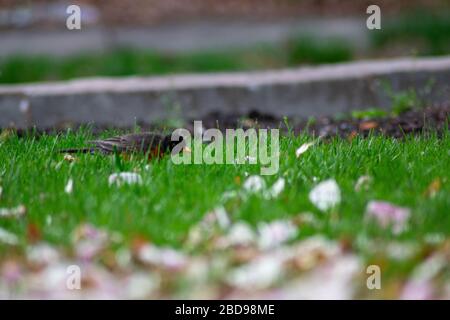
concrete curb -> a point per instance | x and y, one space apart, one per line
309 91
183 36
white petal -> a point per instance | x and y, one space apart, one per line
276 189
363 183
8 237
258 274
89 241
42 254
275 233
124 178
239 234
16 212
332 281
325 195
303 148
227 195
69 158
162 257
69 187
254 184
141 285
222 217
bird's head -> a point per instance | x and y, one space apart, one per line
174 144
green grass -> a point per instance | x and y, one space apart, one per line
173 198
125 62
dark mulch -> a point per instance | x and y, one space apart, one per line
432 119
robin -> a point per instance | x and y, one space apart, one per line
153 144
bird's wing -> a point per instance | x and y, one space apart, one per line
138 142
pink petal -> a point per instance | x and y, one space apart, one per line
387 214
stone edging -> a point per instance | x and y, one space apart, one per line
308 91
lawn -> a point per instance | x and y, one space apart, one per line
173 200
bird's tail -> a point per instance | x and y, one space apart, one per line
78 150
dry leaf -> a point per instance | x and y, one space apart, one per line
352 136
433 188
69 158
368 125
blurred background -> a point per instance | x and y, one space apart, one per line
153 37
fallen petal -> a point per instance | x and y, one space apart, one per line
325 195
401 250
275 233
239 234
303 148
162 257
8 237
363 183
417 290
258 274
141 285
313 251
387 214
124 178
42 254
254 184
69 158
69 187
89 241
17 212
433 188
222 217
276 189
333 281
11 272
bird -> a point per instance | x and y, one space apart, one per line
153 144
